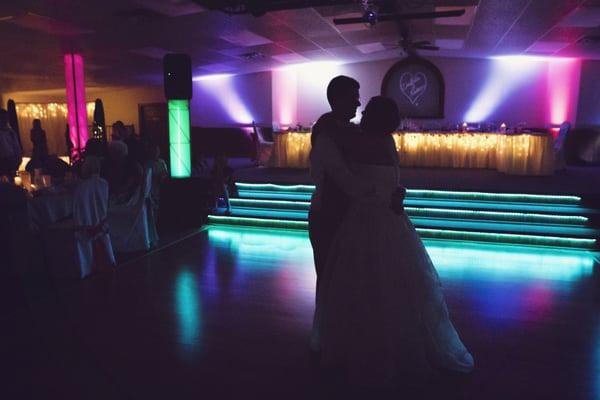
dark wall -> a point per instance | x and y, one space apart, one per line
232 142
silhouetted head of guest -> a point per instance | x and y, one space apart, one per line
344 97
95 147
381 116
3 118
37 125
151 151
118 130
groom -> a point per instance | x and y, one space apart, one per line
329 203
332 140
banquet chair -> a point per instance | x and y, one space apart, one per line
263 148
92 240
559 146
78 247
131 228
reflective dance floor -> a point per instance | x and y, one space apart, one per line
226 314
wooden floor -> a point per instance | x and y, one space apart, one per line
226 313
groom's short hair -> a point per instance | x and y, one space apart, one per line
339 87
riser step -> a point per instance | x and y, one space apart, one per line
427 194
436 203
303 207
446 234
446 223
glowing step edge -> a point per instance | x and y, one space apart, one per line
283 205
426 233
485 196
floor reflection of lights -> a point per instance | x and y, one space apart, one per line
503 290
453 260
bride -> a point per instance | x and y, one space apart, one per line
380 311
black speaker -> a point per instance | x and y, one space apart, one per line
177 76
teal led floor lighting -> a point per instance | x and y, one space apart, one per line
179 138
497 216
272 186
258 222
428 212
534 240
445 194
517 197
508 238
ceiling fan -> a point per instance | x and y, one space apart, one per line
407 44
371 16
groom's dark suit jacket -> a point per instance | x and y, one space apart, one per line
354 146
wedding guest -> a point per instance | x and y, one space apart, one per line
49 164
159 170
38 139
200 165
10 150
124 177
221 175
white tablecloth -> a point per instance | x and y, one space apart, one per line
48 208
517 154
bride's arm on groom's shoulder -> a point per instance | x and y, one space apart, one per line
326 159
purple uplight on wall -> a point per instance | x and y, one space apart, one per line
222 90
506 75
76 106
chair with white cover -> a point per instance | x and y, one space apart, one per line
129 225
92 241
263 148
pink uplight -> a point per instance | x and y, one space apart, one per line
76 107
285 95
563 90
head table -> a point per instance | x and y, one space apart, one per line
517 154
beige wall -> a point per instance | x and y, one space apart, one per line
120 103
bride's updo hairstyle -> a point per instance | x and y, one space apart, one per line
381 116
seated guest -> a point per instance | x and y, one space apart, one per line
200 166
94 148
159 171
118 129
49 164
10 149
135 150
125 177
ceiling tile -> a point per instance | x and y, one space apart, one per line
299 45
152 52
290 58
369 48
465 20
329 41
450 44
245 38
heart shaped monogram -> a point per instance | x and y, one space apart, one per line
413 85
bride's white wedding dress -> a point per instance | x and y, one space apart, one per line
381 309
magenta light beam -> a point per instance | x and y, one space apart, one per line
76 107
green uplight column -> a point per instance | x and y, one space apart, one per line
179 138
